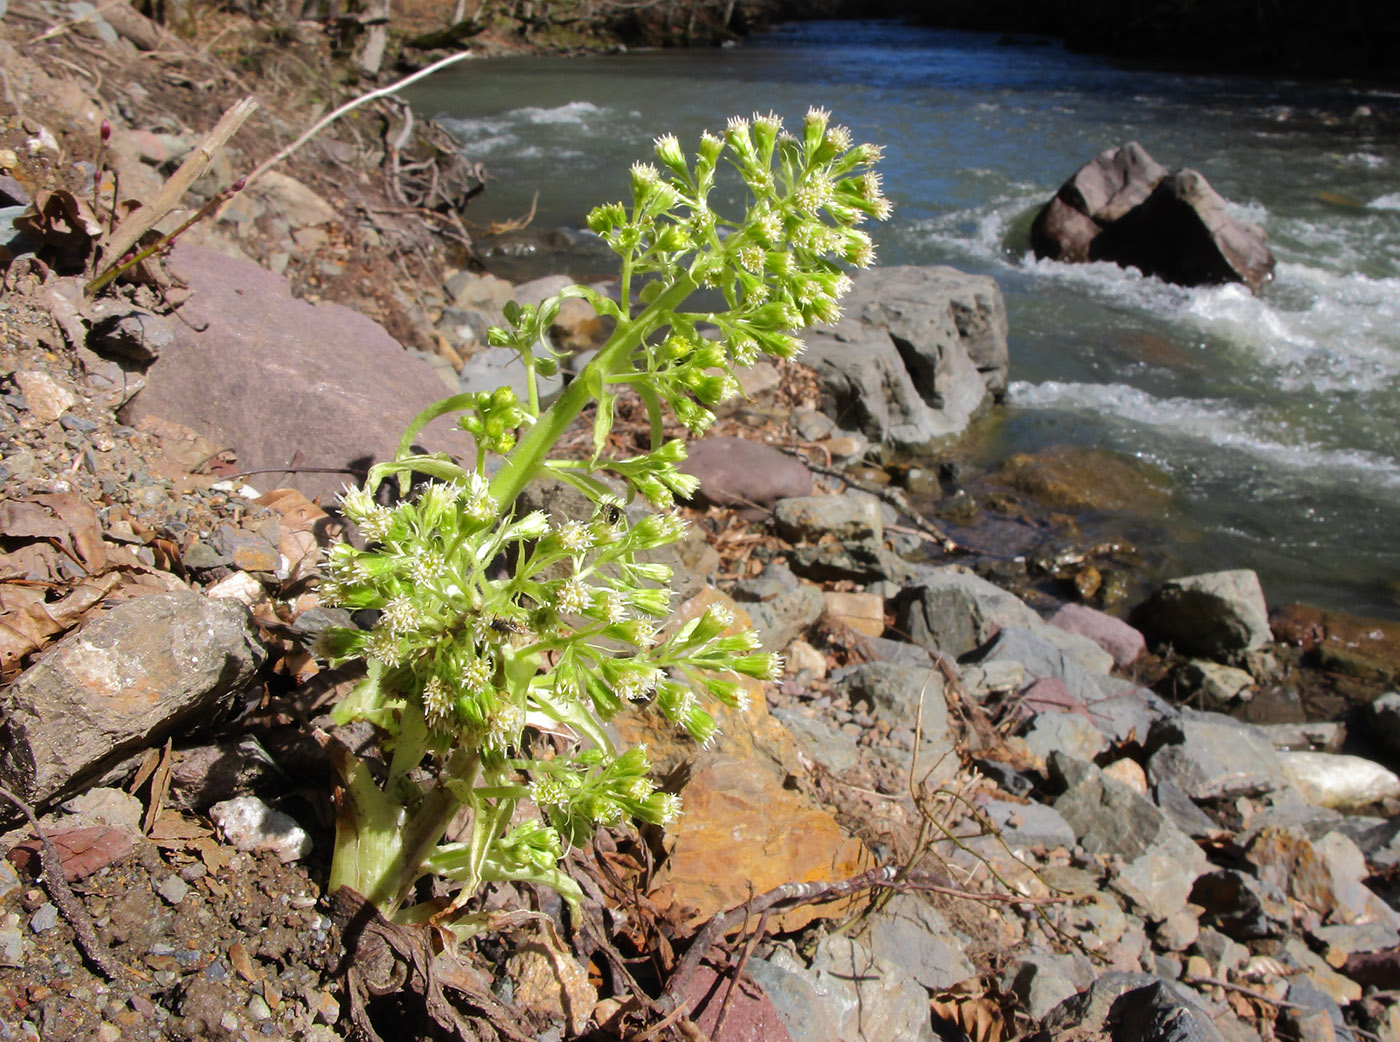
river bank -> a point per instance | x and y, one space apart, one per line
1166 865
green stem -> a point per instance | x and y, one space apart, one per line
528 456
423 832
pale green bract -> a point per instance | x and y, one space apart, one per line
504 643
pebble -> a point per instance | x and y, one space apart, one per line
258 1008
11 941
229 1022
173 889
251 824
45 919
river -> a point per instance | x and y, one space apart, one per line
1276 419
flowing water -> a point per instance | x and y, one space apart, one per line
1276 418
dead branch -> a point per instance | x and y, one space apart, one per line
351 106
57 886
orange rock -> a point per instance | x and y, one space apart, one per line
862 612
749 733
742 833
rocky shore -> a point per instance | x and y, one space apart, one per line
976 801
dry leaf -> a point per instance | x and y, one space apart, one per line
160 786
242 963
214 854
979 1016
28 622
60 219
172 829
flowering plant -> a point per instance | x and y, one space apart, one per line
504 643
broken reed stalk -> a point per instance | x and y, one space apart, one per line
130 260
141 220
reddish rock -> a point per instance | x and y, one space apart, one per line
1100 192
1184 233
282 382
751 1017
1115 636
81 851
734 472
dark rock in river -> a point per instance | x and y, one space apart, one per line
1123 206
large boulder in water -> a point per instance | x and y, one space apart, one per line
917 353
1123 206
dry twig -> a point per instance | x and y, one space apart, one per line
62 896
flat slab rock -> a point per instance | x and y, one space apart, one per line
125 681
281 381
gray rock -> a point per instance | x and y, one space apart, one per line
1070 733
1041 981
1241 905
130 333
44 919
918 353
1208 756
735 472
1338 781
894 693
1224 954
1161 862
1357 937
864 561
1208 615
847 995
1044 660
806 519
898 652
1184 814
173 889
9 879
913 935
1304 992
131 677
1379 842
1024 825
292 201
820 740
11 940
1161 1012
1127 712
250 824
1320 736
954 611
265 374
1285 808
779 620
1219 687
1089 1010
1178 931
